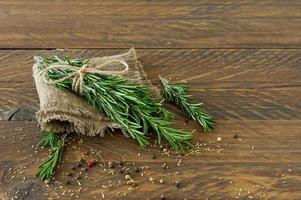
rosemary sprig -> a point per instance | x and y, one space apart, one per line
177 94
46 170
48 139
124 102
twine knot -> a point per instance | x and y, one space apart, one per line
77 73
82 69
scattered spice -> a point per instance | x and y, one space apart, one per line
68 174
90 163
111 165
121 164
84 169
164 166
178 184
86 153
127 177
163 197
151 179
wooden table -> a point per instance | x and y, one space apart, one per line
241 58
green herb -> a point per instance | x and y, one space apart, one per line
178 94
46 170
127 103
48 139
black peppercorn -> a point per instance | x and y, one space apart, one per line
137 170
178 184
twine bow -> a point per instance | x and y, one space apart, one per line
78 73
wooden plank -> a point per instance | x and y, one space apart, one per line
210 68
150 24
263 163
224 104
233 84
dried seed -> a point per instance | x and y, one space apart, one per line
84 169
68 174
164 166
127 177
121 164
111 165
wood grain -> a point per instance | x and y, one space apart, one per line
233 83
263 163
254 94
150 24
241 58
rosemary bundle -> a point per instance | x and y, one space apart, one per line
125 102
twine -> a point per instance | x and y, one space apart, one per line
78 73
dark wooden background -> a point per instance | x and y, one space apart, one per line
241 58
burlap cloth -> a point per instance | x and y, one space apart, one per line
62 111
